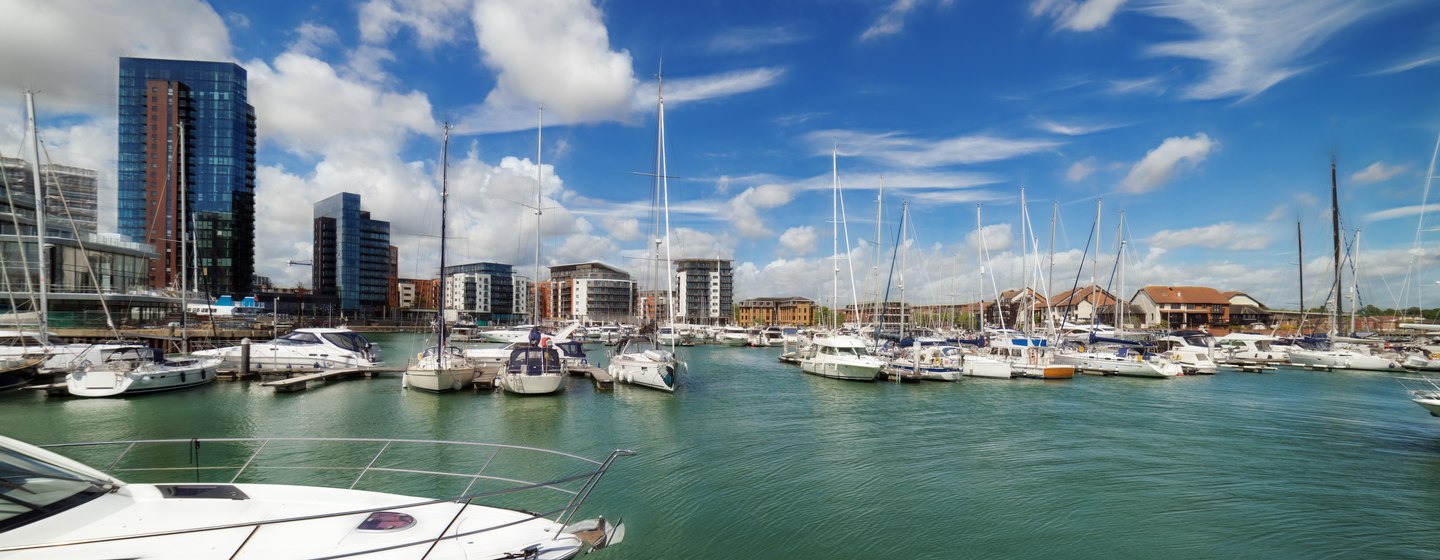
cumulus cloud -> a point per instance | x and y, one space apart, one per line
1377 172
743 209
623 229
1080 170
798 241
1161 164
1251 46
433 22
1225 235
1073 15
898 149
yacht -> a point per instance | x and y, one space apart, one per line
839 357
1321 354
320 348
18 372
934 362
59 508
1425 358
1190 349
1028 356
532 370
1424 391
654 368
519 333
1118 359
1249 349
734 336
60 357
133 369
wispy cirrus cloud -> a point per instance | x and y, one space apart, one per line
683 90
1153 85
896 148
1224 235
1423 61
1063 129
1377 172
740 40
892 22
1401 212
1161 164
1073 15
1251 46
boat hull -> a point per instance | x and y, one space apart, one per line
847 371
103 382
524 384
994 369
437 380
643 371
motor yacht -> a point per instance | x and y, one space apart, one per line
59 508
1190 349
839 357
320 348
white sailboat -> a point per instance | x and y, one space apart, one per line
831 354
654 367
440 367
532 370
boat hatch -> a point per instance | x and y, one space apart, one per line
201 492
386 521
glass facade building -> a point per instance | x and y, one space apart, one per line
200 109
352 255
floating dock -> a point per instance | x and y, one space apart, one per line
302 381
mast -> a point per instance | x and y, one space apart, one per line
835 233
1355 281
444 198
1094 269
184 231
1339 310
980 260
1120 264
1300 247
1050 275
39 216
904 216
539 172
875 271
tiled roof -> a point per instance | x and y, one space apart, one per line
1092 294
1185 294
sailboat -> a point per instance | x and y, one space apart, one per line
833 354
440 367
1337 352
534 369
656 366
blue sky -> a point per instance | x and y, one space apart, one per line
1210 124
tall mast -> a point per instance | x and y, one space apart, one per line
184 231
980 260
444 198
1025 262
39 216
1050 274
879 217
1094 269
1339 310
835 233
1300 248
1355 282
539 172
665 200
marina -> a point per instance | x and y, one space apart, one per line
748 455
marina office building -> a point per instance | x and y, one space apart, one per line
170 108
353 260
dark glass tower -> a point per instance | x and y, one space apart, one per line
208 101
351 255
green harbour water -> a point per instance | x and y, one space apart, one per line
752 459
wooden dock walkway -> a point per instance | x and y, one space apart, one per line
602 378
301 382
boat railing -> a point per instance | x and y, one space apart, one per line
1421 385
430 469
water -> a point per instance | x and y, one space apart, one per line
752 459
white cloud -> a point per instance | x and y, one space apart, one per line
682 90
1071 129
1251 45
1401 212
892 21
69 49
1080 170
623 229
1161 164
434 22
1225 235
742 210
1377 172
1423 61
1153 85
1073 15
997 237
740 40
901 150
313 39
798 241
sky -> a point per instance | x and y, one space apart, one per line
1210 125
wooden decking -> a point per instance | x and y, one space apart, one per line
302 381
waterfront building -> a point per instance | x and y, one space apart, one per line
1245 310
1082 305
71 205
592 292
417 294
167 107
482 291
654 306
705 291
524 302
869 313
792 311
1178 307
352 256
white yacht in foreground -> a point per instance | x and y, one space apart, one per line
59 508
654 368
1424 391
136 369
438 370
319 348
839 357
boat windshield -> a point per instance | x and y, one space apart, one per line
298 338
32 489
850 351
346 340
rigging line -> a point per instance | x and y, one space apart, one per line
20 245
1076 285
994 285
85 253
849 262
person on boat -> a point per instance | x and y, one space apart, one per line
535 336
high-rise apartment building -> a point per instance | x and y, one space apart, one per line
705 289
199 109
352 256
592 292
483 291
70 195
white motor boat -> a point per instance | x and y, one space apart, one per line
60 357
320 348
1424 391
533 370
136 369
1028 356
520 333
1245 349
839 357
1320 354
734 336
1426 358
58 508
655 368
437 371
669 336
1122 359
1190 349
